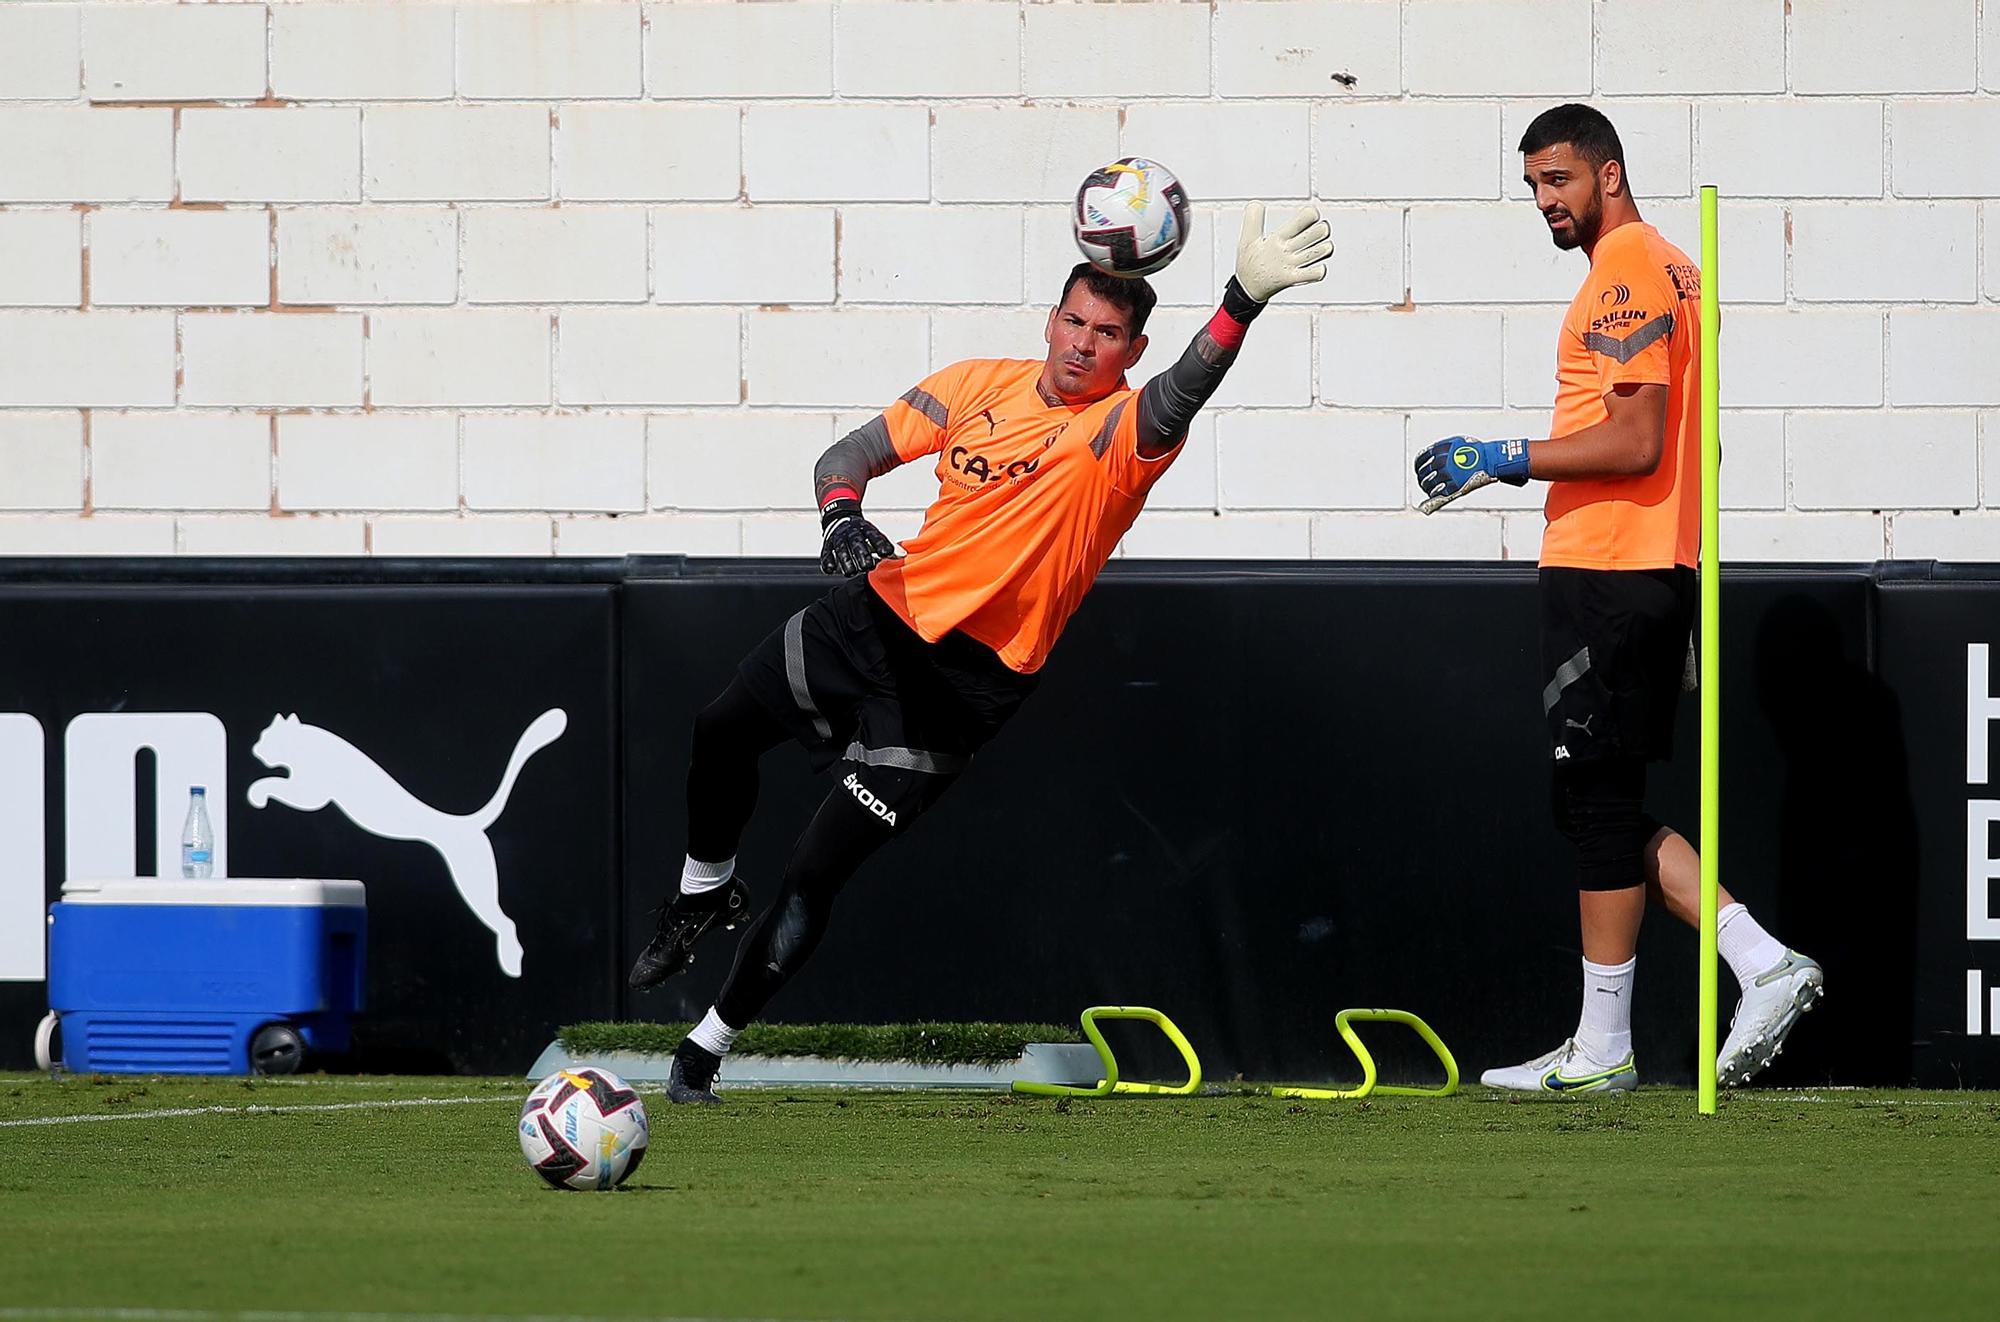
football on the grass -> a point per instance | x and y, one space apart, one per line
583 1129
1131 217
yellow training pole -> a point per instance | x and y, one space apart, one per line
1711 646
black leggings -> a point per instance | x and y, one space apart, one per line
1600 805
730 734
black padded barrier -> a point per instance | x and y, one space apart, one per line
1249 794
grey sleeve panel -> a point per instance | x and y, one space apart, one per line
924 402
1169 401
1625 350
863 453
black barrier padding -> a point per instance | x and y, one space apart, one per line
1253 797
434 684
1921 648
1247 794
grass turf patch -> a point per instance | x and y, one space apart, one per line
990 1208
924 1044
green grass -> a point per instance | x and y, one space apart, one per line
929 1044
983 1206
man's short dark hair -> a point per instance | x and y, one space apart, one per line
1583 128
1129 294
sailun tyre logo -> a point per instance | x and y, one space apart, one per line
1617 296
866 798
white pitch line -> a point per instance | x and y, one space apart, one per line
1863 1101
213 1315
166 1113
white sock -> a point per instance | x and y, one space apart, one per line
712 1035
697 876
1747 946
1605 1030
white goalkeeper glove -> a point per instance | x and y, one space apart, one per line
1293 254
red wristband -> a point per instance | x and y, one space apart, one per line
1225 330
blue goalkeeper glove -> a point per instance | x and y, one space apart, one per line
1458 464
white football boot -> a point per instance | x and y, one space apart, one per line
1565 1070
1771 1005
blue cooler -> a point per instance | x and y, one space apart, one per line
223 976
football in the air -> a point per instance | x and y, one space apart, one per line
583 1129
1131 217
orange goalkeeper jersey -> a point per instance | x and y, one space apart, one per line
1033 495
1636 321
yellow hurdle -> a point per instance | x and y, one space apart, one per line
1111 1083
1369 1086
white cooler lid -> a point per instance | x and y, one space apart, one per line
299 892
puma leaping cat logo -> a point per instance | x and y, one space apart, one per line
327 769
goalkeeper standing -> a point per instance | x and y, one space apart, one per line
901 673
1617 588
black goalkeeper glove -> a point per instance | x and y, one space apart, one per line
851 545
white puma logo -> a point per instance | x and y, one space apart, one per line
327 769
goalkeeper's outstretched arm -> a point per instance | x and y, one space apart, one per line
1294 254
850 544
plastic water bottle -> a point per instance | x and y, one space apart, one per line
197 838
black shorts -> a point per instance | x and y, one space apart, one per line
1614 650
856 686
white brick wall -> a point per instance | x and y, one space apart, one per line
1947 148
1497 47
239 534
552 51
368 255
180 462
1417 149
648 356
1837 253
361 52
42 456
1427 358
1105 51
832 358
743 255
836 153
734 461
1805 148
1295 47
1915 460
43 267
290 155
613 152
1843 46
59 154
452 153
924 255
725 51
928 50
375 461
561 255
496 357
180 258
86 358
271 359
1943 356
173 52
1826 357
561 462
592 278
1710 46
1019 153
41 48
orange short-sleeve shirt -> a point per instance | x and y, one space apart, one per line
1033 496
1637 320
